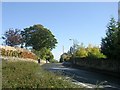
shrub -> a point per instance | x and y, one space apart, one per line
17 52
81 52
3 52
65 57
89 52
53 61
94 52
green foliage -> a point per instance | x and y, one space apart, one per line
61 59
39 37
44 53
81 52
94 52
30 75
49 56
89 52
65 57
117 43
53 61
110 45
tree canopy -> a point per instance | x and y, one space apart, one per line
110 45
12 37
44 54
38 37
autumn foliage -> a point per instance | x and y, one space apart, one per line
16 52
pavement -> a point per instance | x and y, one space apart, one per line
85 78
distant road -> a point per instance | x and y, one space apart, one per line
86 78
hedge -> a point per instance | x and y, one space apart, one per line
17 52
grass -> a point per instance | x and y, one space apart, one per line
23 74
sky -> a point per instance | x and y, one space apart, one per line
82 21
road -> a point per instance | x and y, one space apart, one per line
85 78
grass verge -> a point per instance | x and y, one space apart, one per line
23 74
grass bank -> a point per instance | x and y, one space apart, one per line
24 74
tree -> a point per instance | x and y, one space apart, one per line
38 37
110 43
117 42
74 47
49 55
94 52
89 52
44 54
12 37
65 57
81 51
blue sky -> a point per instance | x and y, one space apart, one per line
85 22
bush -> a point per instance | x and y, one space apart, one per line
89 52
81 52
17 52
65 57
94 52
3 52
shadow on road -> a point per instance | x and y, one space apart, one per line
88 78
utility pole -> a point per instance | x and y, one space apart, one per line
63 48
72 53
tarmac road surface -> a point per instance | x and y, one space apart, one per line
85 78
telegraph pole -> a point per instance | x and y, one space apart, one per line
63 48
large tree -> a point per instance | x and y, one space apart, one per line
110 45
12 37
117 42
38 37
